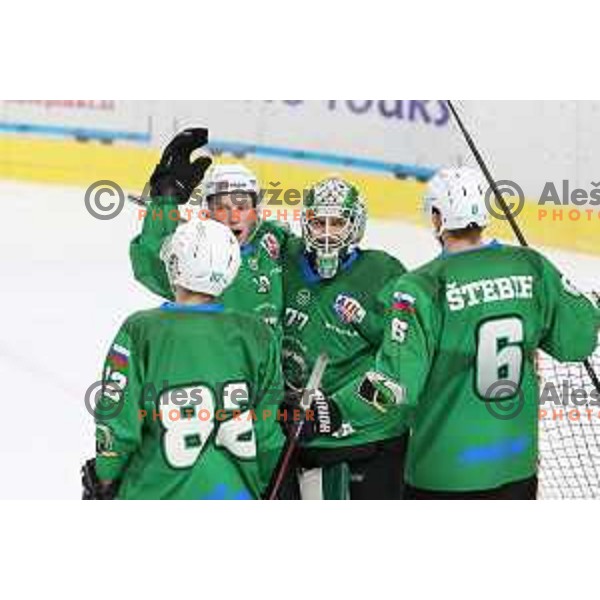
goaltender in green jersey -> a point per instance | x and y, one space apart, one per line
461 340
331 288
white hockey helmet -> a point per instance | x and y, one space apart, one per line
227 179
202 256
458 195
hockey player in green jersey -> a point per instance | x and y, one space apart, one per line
461 339
258 286
230 193
198 387
331 306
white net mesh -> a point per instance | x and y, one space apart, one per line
569 433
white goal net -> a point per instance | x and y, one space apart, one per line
570 431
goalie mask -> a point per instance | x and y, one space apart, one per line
202 256
333 223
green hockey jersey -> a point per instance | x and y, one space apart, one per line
343 318
257 287
461 339
194 411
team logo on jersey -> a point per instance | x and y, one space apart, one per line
346 430
303 297
263 284
271 245
295 368
404 302
105 440
253 263
349 309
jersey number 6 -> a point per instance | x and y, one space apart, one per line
499 355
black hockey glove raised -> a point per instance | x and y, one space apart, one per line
93 489
176 175
323 418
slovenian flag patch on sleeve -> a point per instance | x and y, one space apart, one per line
404 302
118 356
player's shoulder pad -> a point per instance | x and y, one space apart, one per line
419 283
137 320
272 237
279 229
132 328
385 261
538 262
251 323
523 253
134 319
294 246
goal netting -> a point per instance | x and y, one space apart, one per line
569 433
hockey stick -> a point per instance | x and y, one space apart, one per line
505 209
291 444
143 201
